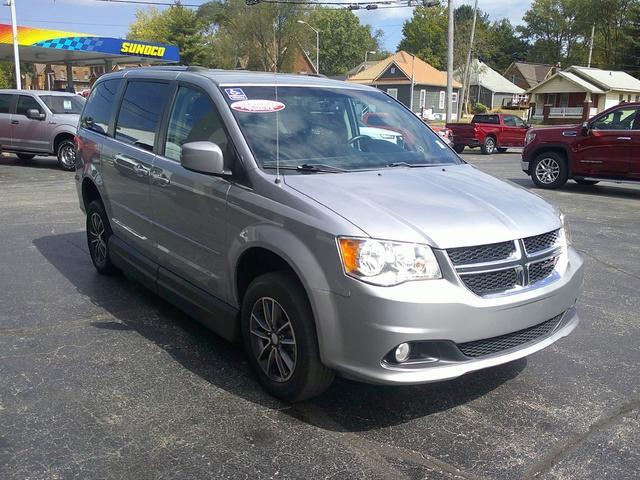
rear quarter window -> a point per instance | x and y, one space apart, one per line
5 102
99 106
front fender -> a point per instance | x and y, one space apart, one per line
59 129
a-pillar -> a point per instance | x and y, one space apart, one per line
70 86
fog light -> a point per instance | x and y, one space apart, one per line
402 352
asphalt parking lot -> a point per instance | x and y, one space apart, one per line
100 379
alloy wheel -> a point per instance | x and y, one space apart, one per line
547 170
68 155
273 340
96 238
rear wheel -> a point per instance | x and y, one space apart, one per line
279 336
98 234
581 181
489 146
458 147
25 156
66 155
549 170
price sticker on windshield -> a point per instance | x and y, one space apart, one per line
257 106
66 104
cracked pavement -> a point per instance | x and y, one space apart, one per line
100 379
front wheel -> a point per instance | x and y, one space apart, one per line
279 336
489 146
98 234
458 147
549 170
67 155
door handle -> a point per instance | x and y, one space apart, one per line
15 122
624 138
160 180
140 170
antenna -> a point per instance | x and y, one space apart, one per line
275 76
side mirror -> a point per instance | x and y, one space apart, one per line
585 130
35 114
203 157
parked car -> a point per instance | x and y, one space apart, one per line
490 131
381 134
34 122
605 148
254 203
445 133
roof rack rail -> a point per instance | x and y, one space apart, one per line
177 68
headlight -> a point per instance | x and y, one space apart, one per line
387 263
565 232
529 137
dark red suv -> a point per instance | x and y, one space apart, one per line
607 147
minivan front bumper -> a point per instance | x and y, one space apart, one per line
357 332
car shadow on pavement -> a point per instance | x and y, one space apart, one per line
346 406
603 189
50 163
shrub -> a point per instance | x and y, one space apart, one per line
479 108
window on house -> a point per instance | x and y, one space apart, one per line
621 98
423 98
393 69
441 100
564 100
393 92
454 97
629 98
551 99
637 98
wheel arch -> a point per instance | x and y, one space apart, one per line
61 136
555 148
90 192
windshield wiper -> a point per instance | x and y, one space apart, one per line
319 167
410 165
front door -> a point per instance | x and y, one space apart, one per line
5 120
189 208
608 148
634 159
514 131
27 133
128 158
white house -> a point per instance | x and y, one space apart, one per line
488 87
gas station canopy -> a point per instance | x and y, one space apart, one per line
57 47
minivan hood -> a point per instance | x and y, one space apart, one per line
446 206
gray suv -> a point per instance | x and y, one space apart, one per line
256 203
34 122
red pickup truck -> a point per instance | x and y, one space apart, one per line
491 132
604 148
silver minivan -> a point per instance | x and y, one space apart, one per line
256 203
38 122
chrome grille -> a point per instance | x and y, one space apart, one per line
541 270
481 253
500 268
489 346
538 243
491 282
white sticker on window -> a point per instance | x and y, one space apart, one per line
66 104
257 106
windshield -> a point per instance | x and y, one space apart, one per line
335 128
59 104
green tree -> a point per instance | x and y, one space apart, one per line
630 53
505 46
611 30
7 75
176 25
425 35
343 40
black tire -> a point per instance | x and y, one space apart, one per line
66 153
307 377
549 170
489 146
581 181
99 243
25 156
458 147
501 149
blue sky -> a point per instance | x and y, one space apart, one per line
109 19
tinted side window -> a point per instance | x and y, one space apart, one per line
5 102
194 118
27 103
620 119
97 111
510 121
493 119
140 113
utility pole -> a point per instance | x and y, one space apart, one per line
467 75
450 63
16 53
317 44
593 31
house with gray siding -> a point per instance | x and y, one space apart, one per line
402 73
488 87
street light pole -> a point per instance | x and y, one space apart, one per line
16 53
366 54
450 63
317 44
